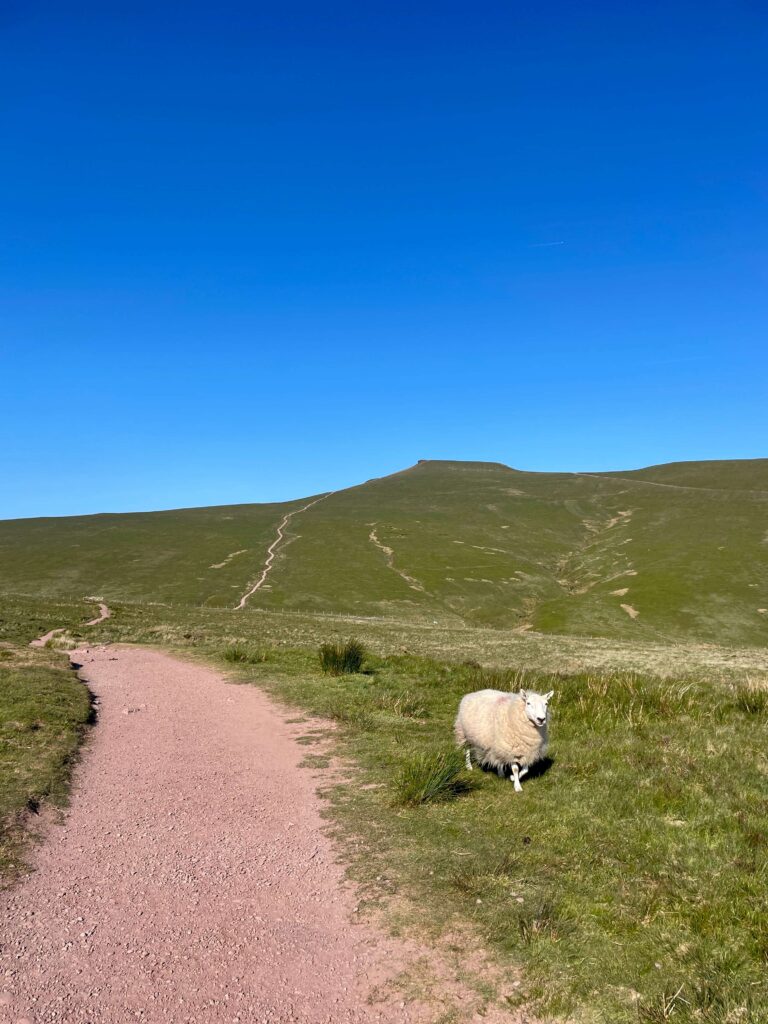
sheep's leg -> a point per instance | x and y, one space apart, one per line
523 771
468 759
516 778
501 771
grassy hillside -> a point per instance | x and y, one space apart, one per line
187 556
732 475
665 552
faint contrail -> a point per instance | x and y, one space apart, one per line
545 245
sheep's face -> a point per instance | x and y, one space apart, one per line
536 706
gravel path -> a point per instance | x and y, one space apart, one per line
191 880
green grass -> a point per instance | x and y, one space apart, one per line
23 618
629 877
447 543
186 556
209 628
44 709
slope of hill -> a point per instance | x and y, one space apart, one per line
733 475
668 551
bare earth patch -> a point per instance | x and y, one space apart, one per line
228 559
631 612
192 879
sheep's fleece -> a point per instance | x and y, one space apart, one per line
496 727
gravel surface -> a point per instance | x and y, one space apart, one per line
191 880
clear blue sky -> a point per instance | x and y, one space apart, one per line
256 251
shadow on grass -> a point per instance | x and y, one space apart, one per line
534 772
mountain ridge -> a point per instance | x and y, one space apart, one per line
605 554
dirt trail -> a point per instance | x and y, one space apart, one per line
43 640
642 481
104 613
274 547
191 880
389 554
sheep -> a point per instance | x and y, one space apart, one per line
503 729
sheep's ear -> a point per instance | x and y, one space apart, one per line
524 695
548 696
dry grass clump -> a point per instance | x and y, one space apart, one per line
752 697
403 705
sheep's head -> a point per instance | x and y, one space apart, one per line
536 706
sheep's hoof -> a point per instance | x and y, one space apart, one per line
518 787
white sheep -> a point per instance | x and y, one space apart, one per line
503 729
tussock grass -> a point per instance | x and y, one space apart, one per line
752 698
239 654
345 658
429 777
480 678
